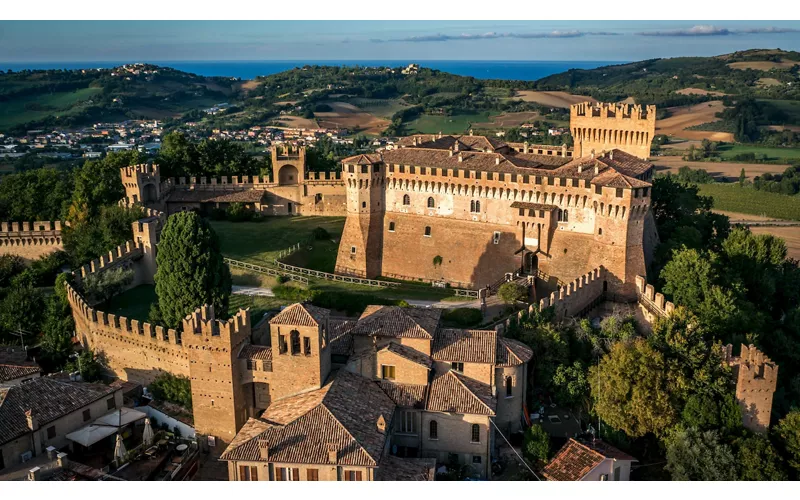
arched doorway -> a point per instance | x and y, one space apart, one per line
149 194
531 263
287 175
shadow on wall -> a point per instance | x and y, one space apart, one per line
497 259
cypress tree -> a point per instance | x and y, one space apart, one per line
191 271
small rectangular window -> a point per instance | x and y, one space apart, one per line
282 346
391 168
266 366
587 183
412 169
364 169
87 415
646 192
111 403
477 175
496 237
353 250
598 189
489 176
312 475
51 432
619 193
427 231
351 169
457 366
307 346
391 227
635 193
408 422
513 177
402 169
521 212
250 364
526 179
537 180
387 372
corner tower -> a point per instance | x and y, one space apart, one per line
142 184
361 247
598 127
289 165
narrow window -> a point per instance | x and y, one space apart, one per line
598 189
387 372
244 473
496 237
363 204
565 216
509 387
408 424
476 433
427 231
282 344
295 339
51 432
307 346
266 366
434 430
111 403
431 202
406 200
87 414
619 193
364 169
250 364
635 193
351 168
457 366
353 250
391 227
600 231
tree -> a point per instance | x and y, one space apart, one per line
758 460
537 445
688 276
103 286
56 342
742 178
572 385
630 389
98 184
511 292
21 309
788 432
191 271
87 364
173 388
90 238
10 266
693 455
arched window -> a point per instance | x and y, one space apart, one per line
475 206
476 433
509 387
406 200
431 203
391 226
565 216
434 430
427 230
295 341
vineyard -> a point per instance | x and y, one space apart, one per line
732 198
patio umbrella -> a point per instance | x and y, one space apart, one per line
147 436
119 450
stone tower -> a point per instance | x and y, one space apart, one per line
142 184
756 379
598 127
289 165
146 232
362 239
218 400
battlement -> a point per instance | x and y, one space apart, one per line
575 296
123 253
653 303
134 171
287 152
243 181
613 110
756 378
36 228
116 326
203 323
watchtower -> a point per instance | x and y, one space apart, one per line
360 250
599 127
142 184
218 401
289 165
756 379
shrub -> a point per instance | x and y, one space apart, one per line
101 287
237 212
462 317
437 261
172 388
320 233
283 279
537 445
511 292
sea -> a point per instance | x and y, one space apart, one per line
247 70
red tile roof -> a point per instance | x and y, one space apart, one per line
251 351
394 321
406 469
405 395
468 346
512 352
575 459
301 315
341 336
454 393
409 353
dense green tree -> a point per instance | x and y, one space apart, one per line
173 388
688 276
88 365
103 286
21 309
693 455
191 271
56 342
91 238
511 292
536 447
179 157
10 266
788 433
757 459
98 184
572 386
630 389
42 194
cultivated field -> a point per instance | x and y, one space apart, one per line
297 122
695 91
382 108
346 115
719 170
683 117
762 65
31 108
556 99
791 235
507 120
768 82
732 198
454 124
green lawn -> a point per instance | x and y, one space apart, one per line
261 242
258 305
133 304
728 151
732 198
454 124
26 109
382 108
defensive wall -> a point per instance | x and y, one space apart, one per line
31 240
756 379
597 127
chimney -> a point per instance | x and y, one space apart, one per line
470 132
51 452
455 146
525 147
580 168
381 425
611 155
414 142
497 160
440 134
33 474
460 158
263 449
33 423
596 169
451 153
62 460
331 453
593 154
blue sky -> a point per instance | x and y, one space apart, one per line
54 41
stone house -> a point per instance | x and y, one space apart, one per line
15 367
40 413
589 461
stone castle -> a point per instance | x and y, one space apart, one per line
307 395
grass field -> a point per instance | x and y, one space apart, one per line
791 108
261 242
258 305
133 304
383 108
27 109
728 151
454 124
731 198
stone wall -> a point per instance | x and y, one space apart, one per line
30 240
598 127
652 305
756 379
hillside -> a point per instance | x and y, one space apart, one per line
66 98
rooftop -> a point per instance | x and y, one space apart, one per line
576 459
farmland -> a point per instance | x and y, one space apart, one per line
728 151
732 198
683 117
720 170
37 107
453 124
556 99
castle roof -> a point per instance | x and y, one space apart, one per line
394 321
48 399
468 346
465 142
511 352
301 429
408 353
452 392
576 459
533 206
405 395
260 352
615 160
213 196
341 335
406 469
301 315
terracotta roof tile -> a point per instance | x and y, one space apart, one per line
14 364
48 399
512 352
216 196
300 428
468 346
394 321
454 393
341 336
301 315
409 353
405 395
533 206
406 469
576 459
251 351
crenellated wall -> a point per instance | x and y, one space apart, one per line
756 379
652 305
598 127
577 295
31 240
